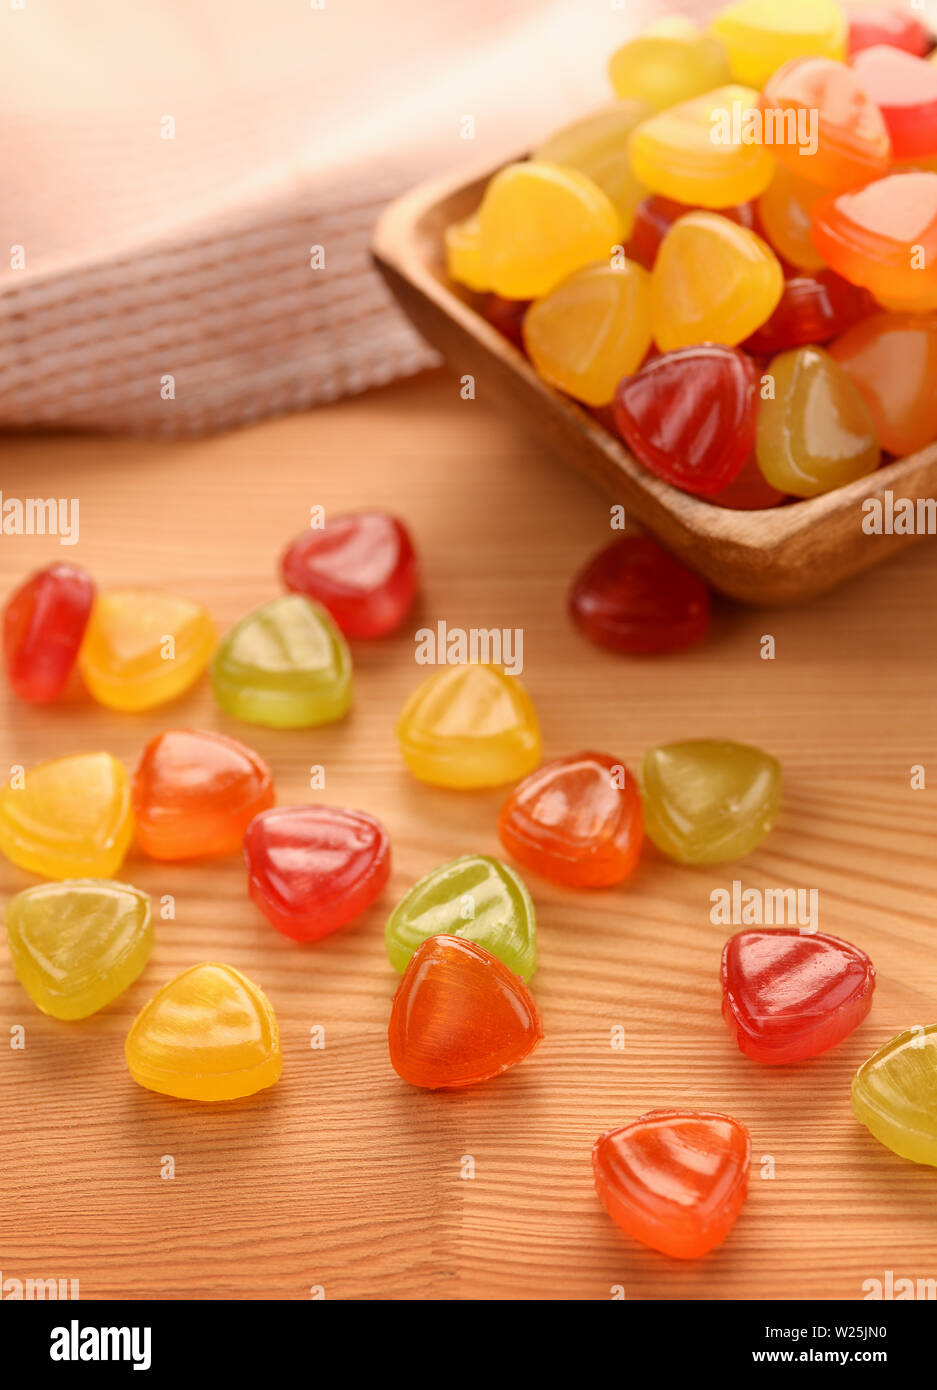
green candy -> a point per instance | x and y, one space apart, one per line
285 665
475 897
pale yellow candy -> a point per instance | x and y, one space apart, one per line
540 222
70 818
760 35
592 330
464 255
702 152
597 145
672 61
712 282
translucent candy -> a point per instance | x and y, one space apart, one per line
635 597
785 210
596 145
707 801
904 88
894 1094
44 622
361 566
883 236
892 359
760 35
670 62
70 819
143 647
462 243
826 102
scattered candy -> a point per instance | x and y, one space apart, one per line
760 35
592 330
883 236
361 567
634 597
576 821
788 995
852 140
208 1035
77 945
476 898
313 869
674 1179
285 665
904 89
459 1016
708 800
70 818
894 1094
195 793
144 647
469 726
669 63
593 145
44 623
892 359
816 432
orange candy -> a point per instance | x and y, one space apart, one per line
195 793
892 358
674 1179
459 1016
883 236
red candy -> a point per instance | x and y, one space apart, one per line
635 597
904 88
361 567
869 27
43 625
312 869
813 308
656 215
689 416
577 821
788 995
507 315
750 491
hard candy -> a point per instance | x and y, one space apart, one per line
360 566
847 140
144 647
459 1016
883 236
463 249
285 665
760 35
904 88
208 1035
654 217
709 800
785 210
195 793
892 359
669 63
476 898
813 308
789 995
44 622
313 869
595 145
674 1179
894 1094
70 819
872 25
634 597
577 821
77 945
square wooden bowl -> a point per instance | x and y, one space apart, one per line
775 556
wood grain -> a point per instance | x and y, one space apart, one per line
342 1176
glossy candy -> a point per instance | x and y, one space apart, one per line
144 647
195 793
44 622
77 945
313 869
785 210
812 309
576 821
592 330
708 800
360 566
749 491
683 154
70 819
789 995
459 1016
870 26
894 1094
634 597
476 898
816 433
760 35
712 282
209 1035
823 125
883 236
892 359
905 90
285 665
655 216
538 223
463 250
669 63
595 145
469 726
674 1179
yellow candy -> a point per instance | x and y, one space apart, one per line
784 209
143 647
77 945
469 726
592 330
210 1034
70 819
698 153
712 282
538 223
894 1094
464 255
669 63
760 35
597 145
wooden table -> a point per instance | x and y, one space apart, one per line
342 1178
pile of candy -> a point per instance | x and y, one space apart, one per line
463 1012
734 264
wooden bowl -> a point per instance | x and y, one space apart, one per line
774 556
